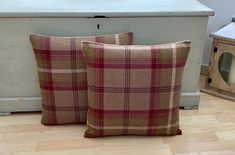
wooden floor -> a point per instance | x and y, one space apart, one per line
207 131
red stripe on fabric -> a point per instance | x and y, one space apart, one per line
69 52
66 108
140 61
50 80
60 58
99 39
74 78
133 112
100 51
134 90
127 90
152 100
55 87
135 65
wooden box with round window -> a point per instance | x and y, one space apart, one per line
221 77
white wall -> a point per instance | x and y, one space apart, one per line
224 11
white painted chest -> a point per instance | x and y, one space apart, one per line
152 21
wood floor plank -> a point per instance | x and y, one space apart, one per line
186 138
198 119
203 147
226 135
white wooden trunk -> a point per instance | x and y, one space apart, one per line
166 21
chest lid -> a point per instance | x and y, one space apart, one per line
102 8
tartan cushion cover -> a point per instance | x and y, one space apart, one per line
62 75
134 90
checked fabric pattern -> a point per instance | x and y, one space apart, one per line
62 75
134 90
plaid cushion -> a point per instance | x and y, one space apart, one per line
134 90
62 75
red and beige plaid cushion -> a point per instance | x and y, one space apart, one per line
62 75
134 90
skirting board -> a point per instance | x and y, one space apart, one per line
190 100
23 104
20 104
